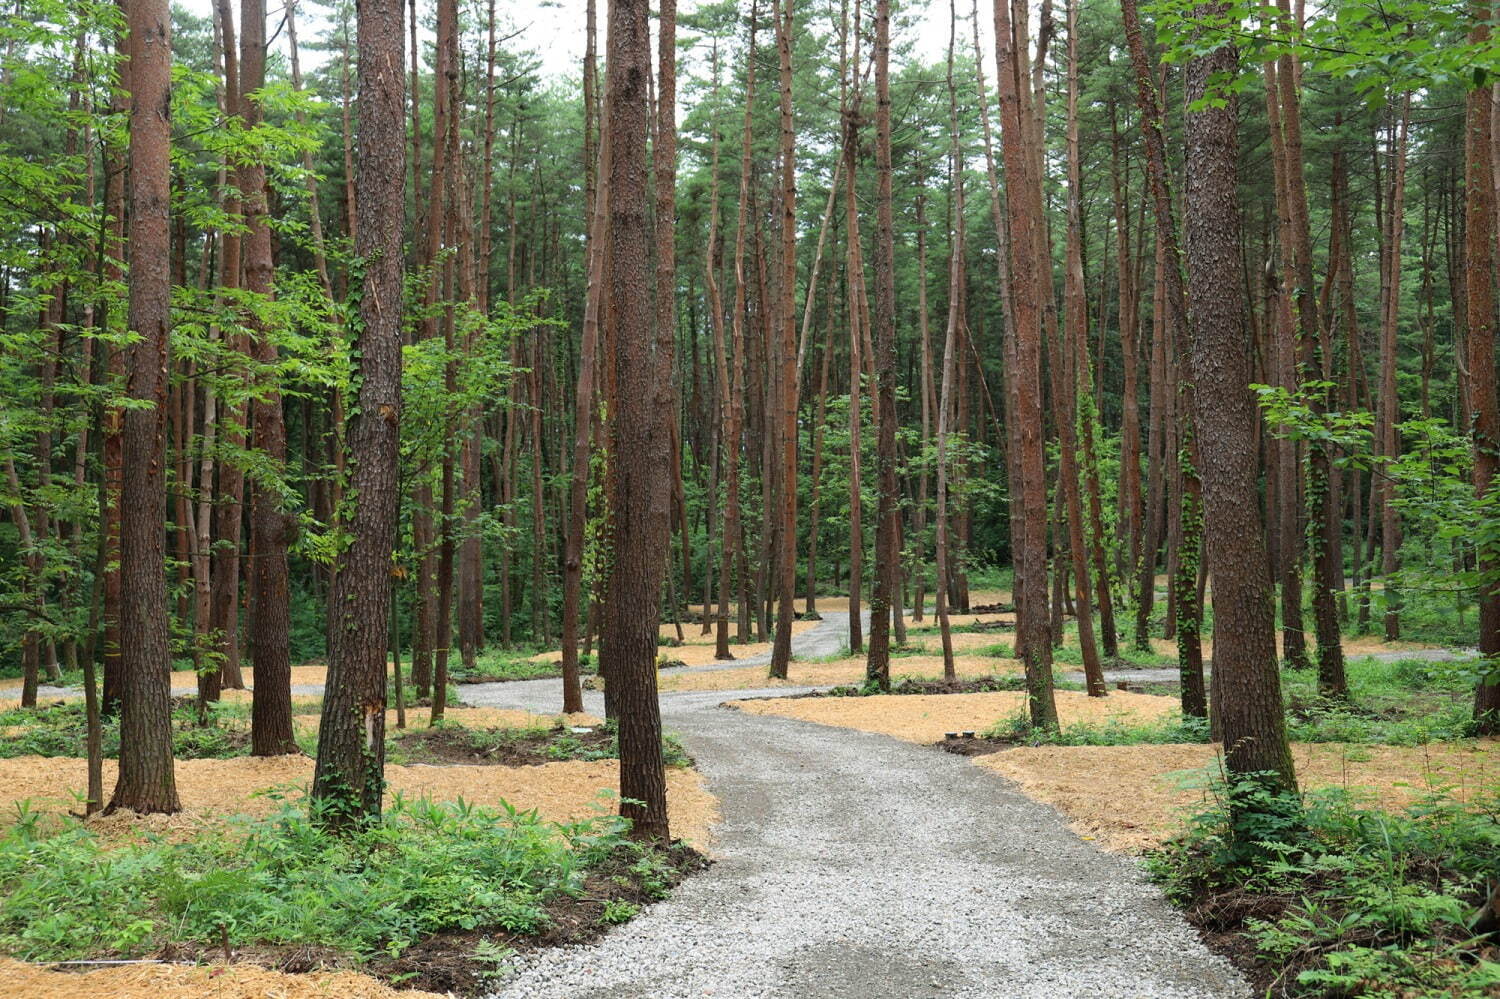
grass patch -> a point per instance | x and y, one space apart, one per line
450 743
423 870
1329 899
60 729
496 665
906 684
1018 731
1406 702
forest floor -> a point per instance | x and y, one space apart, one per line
851 856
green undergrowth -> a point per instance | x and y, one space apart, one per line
1319 896
424 868
453 743
495 665
60 729
1406 702
1018 729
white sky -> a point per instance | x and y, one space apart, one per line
554 28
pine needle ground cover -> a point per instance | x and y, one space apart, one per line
927 718
179 981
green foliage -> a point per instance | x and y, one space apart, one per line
60 729
1343 901
423 868
1371 46
1409 702
1114 732
618 910
558 743
506 664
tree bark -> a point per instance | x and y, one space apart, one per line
786 358
887 513
1027 283
639 497
271 706
349 778
146 781
1246 679
1479 240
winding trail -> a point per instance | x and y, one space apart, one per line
853 865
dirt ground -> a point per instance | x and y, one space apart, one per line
177 981
211 789
926 718
1131 798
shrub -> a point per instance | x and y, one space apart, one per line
424 868
1341 900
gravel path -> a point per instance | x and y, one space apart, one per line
852 865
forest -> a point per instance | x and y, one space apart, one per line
480 475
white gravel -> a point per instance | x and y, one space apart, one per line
853 865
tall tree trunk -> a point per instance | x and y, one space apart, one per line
956 291
1389 414
639 506
146 781
271 707
1066 359
350 775
224 601
849 107
786 357
112 437
1287 550
1130 514
1029 288
926 390
447 80
887 515
734 382
1323 502
1480 316
1181 454
1246 679
583 414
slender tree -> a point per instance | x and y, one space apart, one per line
887 513
787 356
271 709
1485 421
1027 282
